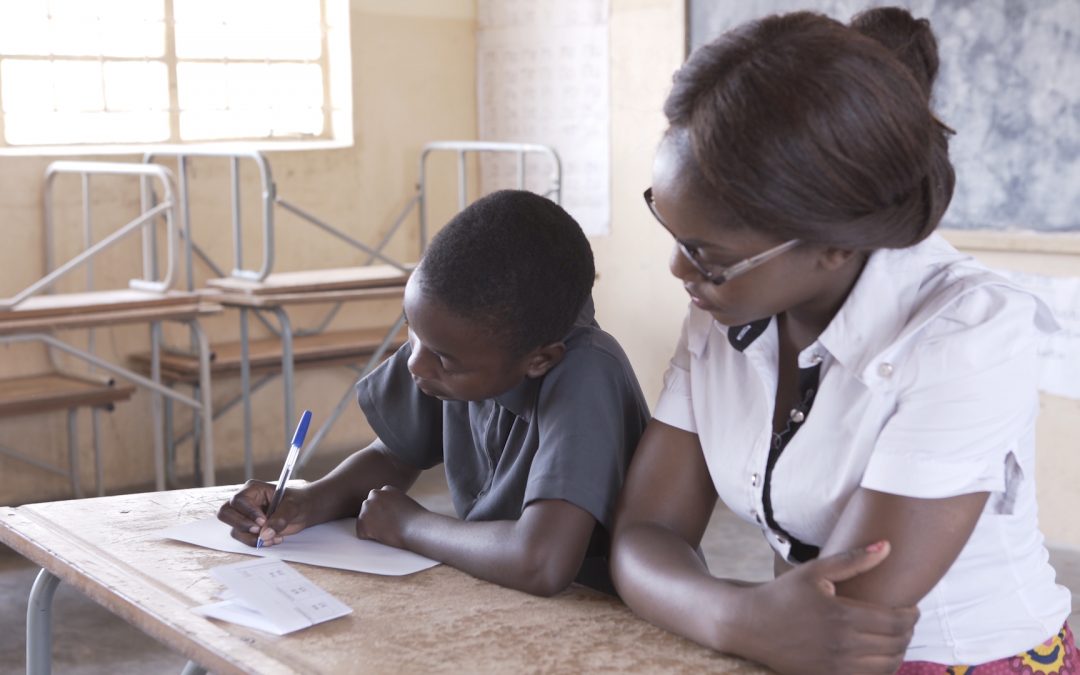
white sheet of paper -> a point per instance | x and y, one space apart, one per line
270 596
332 544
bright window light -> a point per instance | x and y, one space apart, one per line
74 72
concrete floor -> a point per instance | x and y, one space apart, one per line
88 639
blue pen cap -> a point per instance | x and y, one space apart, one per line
301 429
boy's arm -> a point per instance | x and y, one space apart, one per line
540 553
339 494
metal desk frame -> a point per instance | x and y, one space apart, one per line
151 281
269 199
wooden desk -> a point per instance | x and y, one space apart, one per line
440 620
36 320
102 308
275 295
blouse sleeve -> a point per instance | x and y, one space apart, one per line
967 401
675 406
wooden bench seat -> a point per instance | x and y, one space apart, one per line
323 349
54 391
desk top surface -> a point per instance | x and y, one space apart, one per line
307 297
439 620
102 308
309 281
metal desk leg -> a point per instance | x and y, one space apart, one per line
287 368
170 444
39 624
156 407
192 668
73 452
245 393
206 413
95 436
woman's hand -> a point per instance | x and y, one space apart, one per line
801 626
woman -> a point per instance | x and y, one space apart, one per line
845 379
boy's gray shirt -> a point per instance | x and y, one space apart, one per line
568 435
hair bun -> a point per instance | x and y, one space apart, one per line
911 40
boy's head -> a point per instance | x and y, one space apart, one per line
496 292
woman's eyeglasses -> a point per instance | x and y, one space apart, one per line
721 274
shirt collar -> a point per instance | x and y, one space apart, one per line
897 294
521 399
741 337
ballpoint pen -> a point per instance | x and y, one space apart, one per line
286 471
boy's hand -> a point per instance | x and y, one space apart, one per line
385 514
246 513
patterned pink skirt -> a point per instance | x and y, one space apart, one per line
1056 656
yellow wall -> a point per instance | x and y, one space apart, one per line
637 300
413 76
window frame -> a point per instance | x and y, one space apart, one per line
334 61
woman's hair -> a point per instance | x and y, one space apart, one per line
802 127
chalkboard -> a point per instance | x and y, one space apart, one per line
1010 86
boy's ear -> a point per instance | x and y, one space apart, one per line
543 359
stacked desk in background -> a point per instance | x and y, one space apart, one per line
36 319
279 292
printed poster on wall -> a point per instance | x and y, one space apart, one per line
543 72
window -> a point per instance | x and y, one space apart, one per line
74 72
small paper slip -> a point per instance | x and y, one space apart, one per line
268 595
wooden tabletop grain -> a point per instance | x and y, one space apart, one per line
439 620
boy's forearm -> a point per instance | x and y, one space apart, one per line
342 492
491 550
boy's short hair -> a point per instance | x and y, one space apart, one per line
514 261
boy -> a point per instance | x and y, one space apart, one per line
509 381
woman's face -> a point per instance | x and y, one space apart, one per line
778 285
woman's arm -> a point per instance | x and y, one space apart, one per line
926 536
793 624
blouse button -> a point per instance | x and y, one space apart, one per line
816 359
754 480
885 369
797 416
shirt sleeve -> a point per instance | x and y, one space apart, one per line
967 402
592 414
406 420
675 406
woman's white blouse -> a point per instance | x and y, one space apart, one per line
927 390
